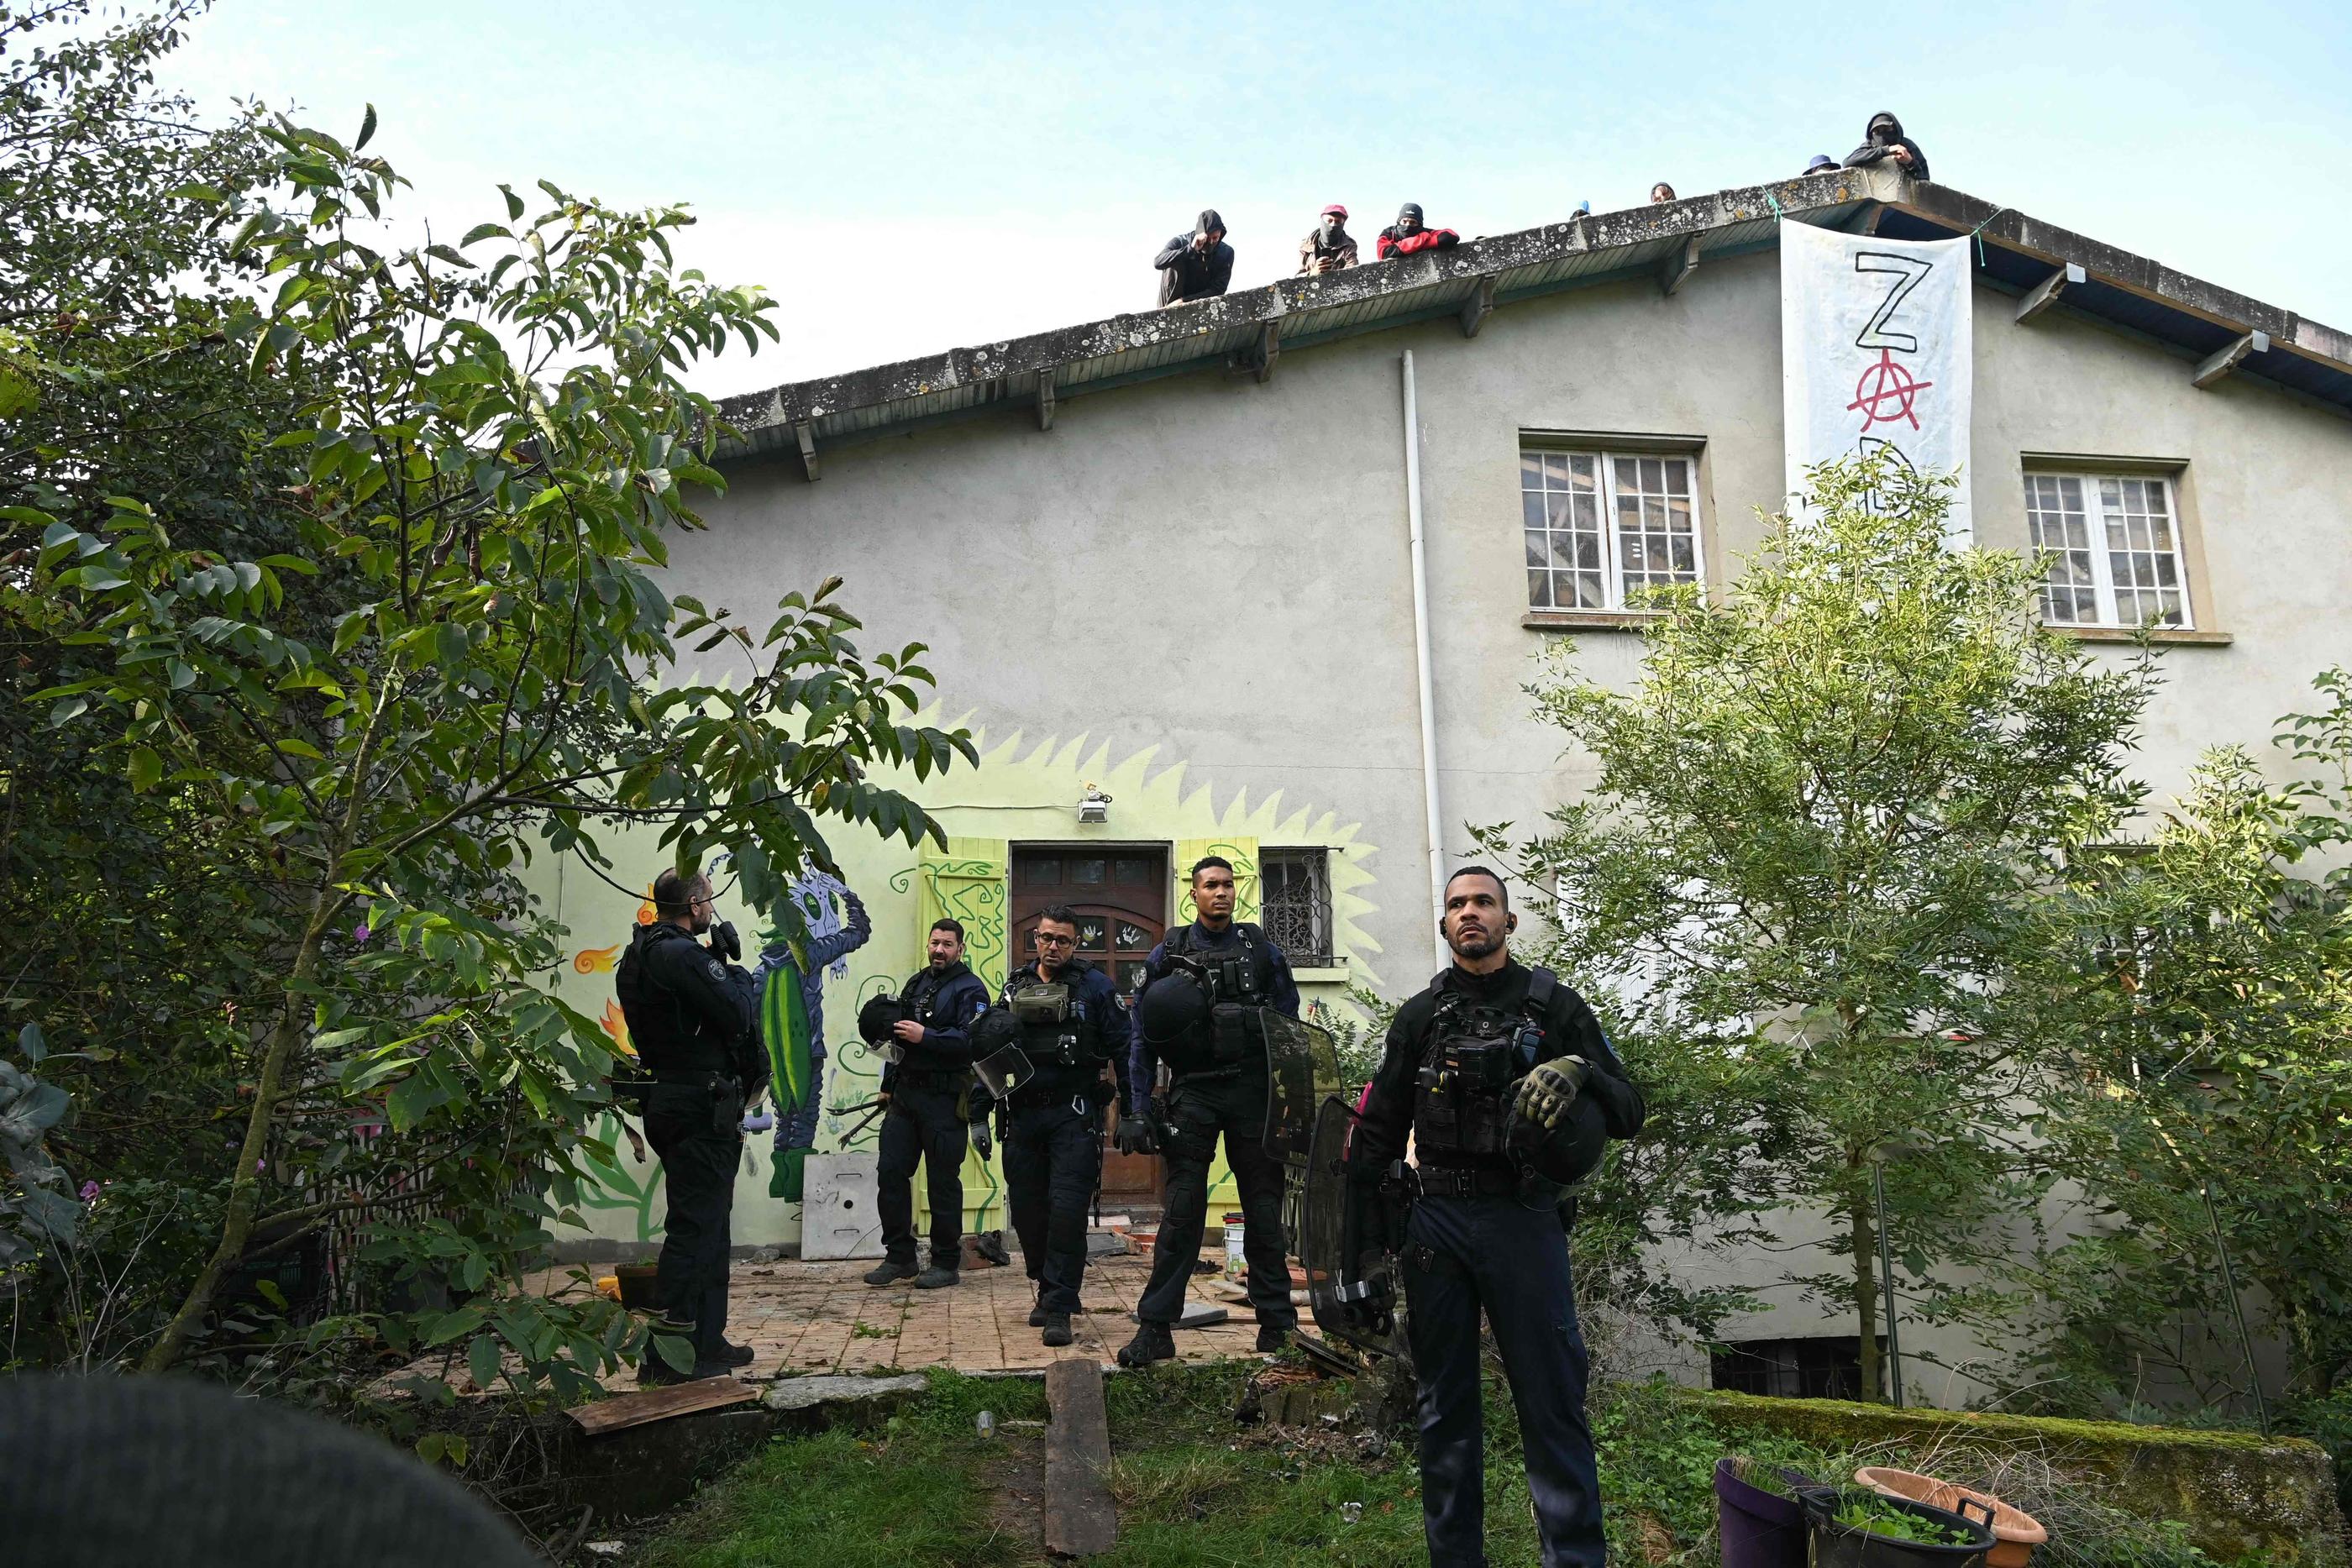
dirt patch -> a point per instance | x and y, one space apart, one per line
1014 1475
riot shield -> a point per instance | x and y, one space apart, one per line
1302 1065
1003 1071
1348 1283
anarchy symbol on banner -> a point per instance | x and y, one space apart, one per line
1883 383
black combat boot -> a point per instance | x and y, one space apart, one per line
1057 1329
1153 1341
890 1273
1272 1337
935 1278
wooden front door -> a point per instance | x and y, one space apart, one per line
1120 897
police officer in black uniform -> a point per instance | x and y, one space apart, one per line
1214 1046
927 1026
1063 1014
1509 1089
691 1019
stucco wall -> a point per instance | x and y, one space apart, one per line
1215 571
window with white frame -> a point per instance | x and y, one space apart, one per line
1602 525
2114 541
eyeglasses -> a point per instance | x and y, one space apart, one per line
1045 941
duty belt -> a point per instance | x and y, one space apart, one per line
1464 1181
932 1077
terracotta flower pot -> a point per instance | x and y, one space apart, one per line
2015 1532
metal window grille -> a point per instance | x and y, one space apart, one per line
1601 526
1295 895
2115 550
1821 1368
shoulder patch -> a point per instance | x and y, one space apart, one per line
718 971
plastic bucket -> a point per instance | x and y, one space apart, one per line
1236 1259
2015 1531
1758 1529
1835 1545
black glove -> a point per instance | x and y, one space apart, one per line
981 1143
1135 1136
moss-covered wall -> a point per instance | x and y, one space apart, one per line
2243 1497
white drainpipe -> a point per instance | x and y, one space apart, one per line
1429 786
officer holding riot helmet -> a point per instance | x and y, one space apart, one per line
1508 1089
924 1033
1203 988
692 1021
1058 1019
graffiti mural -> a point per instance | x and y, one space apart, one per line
1023 792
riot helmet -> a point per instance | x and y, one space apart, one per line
1172 1009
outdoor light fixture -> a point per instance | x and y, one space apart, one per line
1094 806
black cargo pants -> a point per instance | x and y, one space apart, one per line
1200 1107
1053 1162
698 1163
922 1124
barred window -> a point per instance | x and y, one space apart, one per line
2114 543
1601 526
1294 892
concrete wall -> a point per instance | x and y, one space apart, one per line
1216 572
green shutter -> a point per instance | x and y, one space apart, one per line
966 882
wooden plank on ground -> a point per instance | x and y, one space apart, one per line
1079 1519
626 1410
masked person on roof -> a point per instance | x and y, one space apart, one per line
1508 1089
1196 265
1204 988
1409 234
1058 1019
924 1032
1328 247
1882 138
690 1016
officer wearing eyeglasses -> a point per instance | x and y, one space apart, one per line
1063 1014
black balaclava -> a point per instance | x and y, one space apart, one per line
1409 218
1894 129
1209 223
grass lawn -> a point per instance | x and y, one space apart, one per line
1196 1489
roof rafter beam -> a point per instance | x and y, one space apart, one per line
1479 306
805 433
2223 360
1046 398
2045 293
1680 263
1269 344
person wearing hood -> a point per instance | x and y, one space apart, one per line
1884 138
1408 234
1196 265
1328 247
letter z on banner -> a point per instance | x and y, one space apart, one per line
1874 352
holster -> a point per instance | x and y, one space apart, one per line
727 1107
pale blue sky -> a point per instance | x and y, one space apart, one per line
908 178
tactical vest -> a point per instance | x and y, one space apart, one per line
1236 977
1472 1061
1052 1014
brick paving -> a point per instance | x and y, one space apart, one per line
804 1318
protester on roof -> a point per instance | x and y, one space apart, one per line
1408 234
1196 265
1821 161
1329 247
1884 138
1661 192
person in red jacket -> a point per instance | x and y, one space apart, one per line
1408 234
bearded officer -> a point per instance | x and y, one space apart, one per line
1204 988
926 1025
690 1016
1509 1088
1063 1013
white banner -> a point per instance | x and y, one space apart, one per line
1874 353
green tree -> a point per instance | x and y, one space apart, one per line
461 659
1811 840
2208 1023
